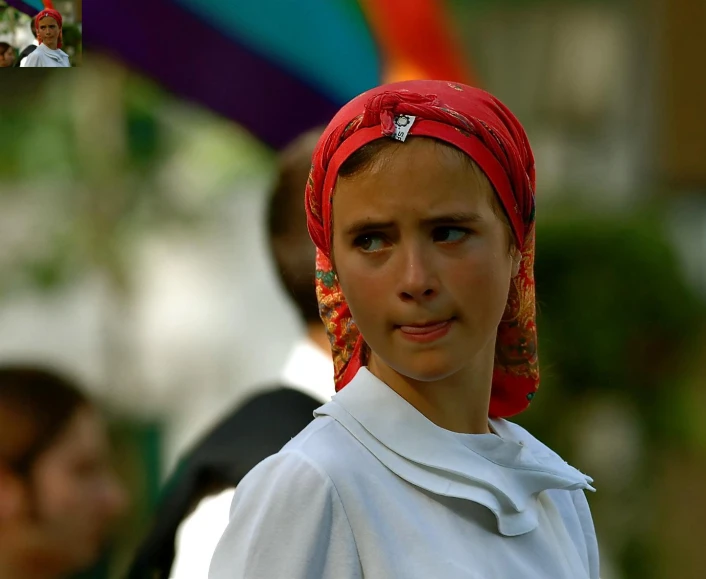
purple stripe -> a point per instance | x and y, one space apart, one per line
23 7
199 63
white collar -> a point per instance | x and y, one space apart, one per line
504 473
55 54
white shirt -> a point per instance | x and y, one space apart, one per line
46 57
307 369
372 488
310 370
198 535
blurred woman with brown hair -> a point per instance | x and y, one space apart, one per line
7 55
58 495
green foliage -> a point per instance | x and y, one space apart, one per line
616 314
617 322
9 18
116 154
72 40
71 35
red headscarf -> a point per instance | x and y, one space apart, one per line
51 14
481 126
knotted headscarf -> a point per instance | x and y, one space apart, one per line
51 14
478 124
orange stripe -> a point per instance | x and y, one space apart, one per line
416 41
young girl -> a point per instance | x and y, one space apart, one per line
421 204
48 24
58 495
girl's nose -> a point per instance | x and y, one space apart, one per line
418 280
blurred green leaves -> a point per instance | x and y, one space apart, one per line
94 164
619 331
71 34
9 18
616 315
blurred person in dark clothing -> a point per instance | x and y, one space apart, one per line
194 510
58 494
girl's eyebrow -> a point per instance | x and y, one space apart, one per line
365 225
453 218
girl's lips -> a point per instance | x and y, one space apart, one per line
424 329
428 333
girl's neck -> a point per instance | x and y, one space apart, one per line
458 403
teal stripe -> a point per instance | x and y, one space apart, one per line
325 42
38 4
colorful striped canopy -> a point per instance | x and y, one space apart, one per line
277 67
30 7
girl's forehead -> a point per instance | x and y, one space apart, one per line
47 20
417 154
417 176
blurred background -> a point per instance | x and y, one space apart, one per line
133 252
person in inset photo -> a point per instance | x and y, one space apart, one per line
48 24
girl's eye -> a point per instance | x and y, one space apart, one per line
369 242
450 234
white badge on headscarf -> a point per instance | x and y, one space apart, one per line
403 123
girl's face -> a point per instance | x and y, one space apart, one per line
422 259
48 32
71 498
